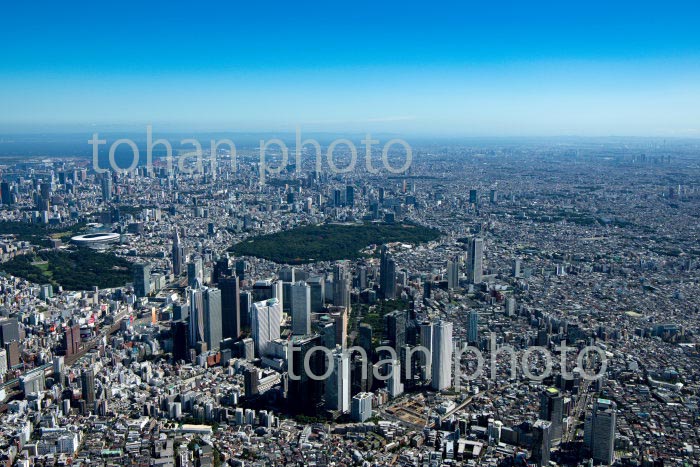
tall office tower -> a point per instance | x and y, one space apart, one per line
178 254
142 279
222 268
599 433
362 277
266 321
44 203
87 382
387 275
350 196
337 198
230 307
266 289
13 355
473 197
361 410
453 273
516 267
552 410
106 187
246 301
427 289
493 196
442 356
338 383
179 332
71 339
196 324
6 193
341 285
9 330
365 338
300 307
212 318
396 328
287 274
360 374
476 254
426 340
473 327
306 393
59 365
195 273
45 190
318 293
341 327
327 331
541 442
394 384
251 381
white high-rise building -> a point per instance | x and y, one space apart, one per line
266 319
300 308
338 383
394 384
599 433
442 356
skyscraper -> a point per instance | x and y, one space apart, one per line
453 273
178 330
9 330
552 410
318 292
387 274
212 317
442 356
476 252
195 274
599 433
266 320
426 340
196 324
178 254
473 327
106 187
306 393
396 329
87 381
350 196
541 442
361 407
230 307
338 384
71 339
5 193
340 321
394 384
300 306
142 279
341 285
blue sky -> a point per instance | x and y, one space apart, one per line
455 68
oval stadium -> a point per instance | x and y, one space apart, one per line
96 240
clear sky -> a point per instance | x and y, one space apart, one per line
487 68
